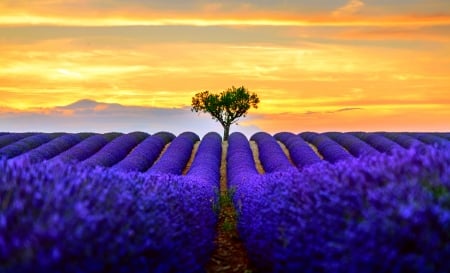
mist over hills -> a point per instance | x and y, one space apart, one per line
92 116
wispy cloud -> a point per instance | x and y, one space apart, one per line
350 8
333 111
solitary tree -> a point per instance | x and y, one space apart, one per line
226 107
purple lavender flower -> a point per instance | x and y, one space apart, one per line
271 155
430 138
300 151
142 156
115 150
380 213
9 138
329 149
176 156
66 218
53 147
26 144
378 141
83 150
240 161
404 140
206 163
354 145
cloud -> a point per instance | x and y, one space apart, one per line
208 14
352 7
93 116
346 109
333 111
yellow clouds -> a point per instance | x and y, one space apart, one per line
224 20
116 13
289 78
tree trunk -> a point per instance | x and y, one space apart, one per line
226 132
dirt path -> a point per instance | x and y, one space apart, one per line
191 159
230 255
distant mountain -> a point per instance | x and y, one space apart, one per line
94 116
85 103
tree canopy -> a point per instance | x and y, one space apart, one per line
226 107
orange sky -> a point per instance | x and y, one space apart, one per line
331 65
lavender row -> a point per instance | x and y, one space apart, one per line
240 162
430 138
378 141
272 157
404 140
82 150
354 145
59 217
115 151
329 149
207 160
12 137
301 153
26 144
144 155
380 213
54 147
175 158
443 135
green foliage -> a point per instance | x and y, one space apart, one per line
226 107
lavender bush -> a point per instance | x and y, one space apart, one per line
271 155
56 217
115 150
9 138
54 147
206 163
354 145
404 140
142 156
378 141
176 156
443 135
300 151
381 213
329 149
430 138
166 136
240 162
83 150
26 144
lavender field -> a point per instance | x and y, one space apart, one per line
307 202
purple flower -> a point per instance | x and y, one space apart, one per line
115 151
176 156
300 151
58 217
271 155
329 149
83 150
26 144
354 145
379 213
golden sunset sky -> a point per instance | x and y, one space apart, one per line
323 65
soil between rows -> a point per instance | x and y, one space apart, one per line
230 254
